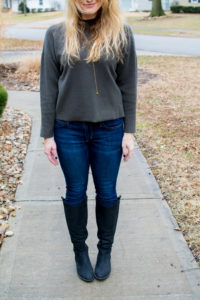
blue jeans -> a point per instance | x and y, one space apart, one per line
83 144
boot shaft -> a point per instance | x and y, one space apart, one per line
106 219
76 219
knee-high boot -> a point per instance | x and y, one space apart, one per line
106 218
76 218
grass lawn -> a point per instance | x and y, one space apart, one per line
14 18
142 24
168 133
17 44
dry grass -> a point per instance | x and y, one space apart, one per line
176 21
9 44
22 75
29 63
168 133
13 18
141 23
149 31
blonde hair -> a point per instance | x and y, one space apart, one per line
107 33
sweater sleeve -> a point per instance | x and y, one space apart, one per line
49 75
127 82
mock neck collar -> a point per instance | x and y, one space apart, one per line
90 21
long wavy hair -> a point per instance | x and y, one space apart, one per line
107 35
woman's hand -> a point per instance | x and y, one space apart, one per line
50 150
127 145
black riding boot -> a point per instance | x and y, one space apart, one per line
76 218
106 218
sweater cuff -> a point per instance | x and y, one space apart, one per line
47 125
129 126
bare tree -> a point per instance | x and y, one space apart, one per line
157 10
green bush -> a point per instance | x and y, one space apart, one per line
176 9
21 8
3 99
191 9
185 9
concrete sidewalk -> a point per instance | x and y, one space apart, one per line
150 260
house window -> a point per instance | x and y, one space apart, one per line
194 1
40 2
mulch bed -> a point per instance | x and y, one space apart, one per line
15 132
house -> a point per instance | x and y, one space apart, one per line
126 5
143 5
189 2
36 4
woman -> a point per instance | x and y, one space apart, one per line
88 90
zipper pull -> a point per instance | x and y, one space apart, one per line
95 79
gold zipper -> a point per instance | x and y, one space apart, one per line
95 79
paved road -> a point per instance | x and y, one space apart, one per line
150 43
150 260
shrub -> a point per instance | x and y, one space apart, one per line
21 8
3 99
185 9
191 9
176 9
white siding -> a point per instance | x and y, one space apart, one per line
141 5
56 4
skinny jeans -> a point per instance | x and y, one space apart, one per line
98 145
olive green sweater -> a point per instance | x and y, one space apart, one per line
93 92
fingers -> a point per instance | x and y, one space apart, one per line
127 149
52 158
51 152
128 154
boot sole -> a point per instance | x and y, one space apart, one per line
101 278
84 279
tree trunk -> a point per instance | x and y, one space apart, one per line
157 10
25 7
